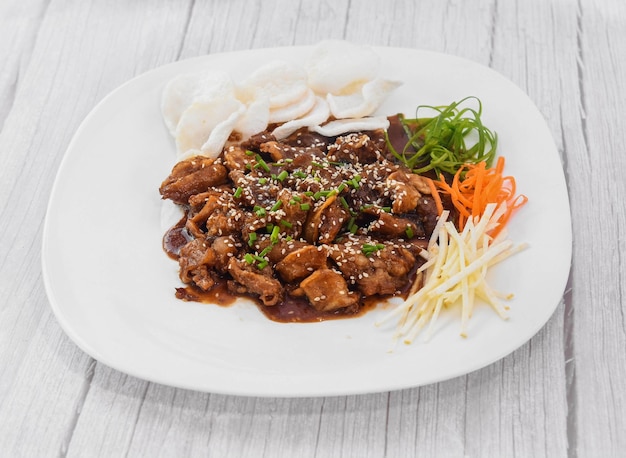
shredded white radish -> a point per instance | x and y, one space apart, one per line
455 273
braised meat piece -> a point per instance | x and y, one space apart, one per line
255 142
327 290
256 189
393 226
325 222
427 209
201 260
225 248
219 215
259 282
196 261
304 138
235 158
301 263
356 148
192 176
404 195
374 268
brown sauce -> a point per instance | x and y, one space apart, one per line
176 238
291 310
298 310
217 295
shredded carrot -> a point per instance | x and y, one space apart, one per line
479 187
436 196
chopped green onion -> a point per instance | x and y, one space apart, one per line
409 232
250 153
238 192
439 142
354 182
352 226
285 223
274 235
261 163
277 205
327 193
264 253
262 180
305 207
300 174
282 175
260 211
252 238
248 258
369 249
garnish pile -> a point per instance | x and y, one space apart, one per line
461 249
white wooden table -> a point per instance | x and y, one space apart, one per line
561 394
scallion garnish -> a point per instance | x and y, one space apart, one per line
260 211
369 249
261 163
274 235
344 203
352 226
300 174
440 143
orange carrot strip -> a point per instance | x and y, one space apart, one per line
500 165
436 196
477 207
481 186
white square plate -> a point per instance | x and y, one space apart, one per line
111 286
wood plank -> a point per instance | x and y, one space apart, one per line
75 61
596 165
19 23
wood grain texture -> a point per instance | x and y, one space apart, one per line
599 283
561 394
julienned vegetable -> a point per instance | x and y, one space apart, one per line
459 252
446 142
480 187
455 274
